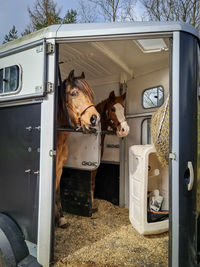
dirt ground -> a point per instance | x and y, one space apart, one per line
107 239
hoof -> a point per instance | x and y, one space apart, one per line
63 223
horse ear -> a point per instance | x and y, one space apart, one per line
112 96
71 76
83 75
123 96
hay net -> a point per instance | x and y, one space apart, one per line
160 132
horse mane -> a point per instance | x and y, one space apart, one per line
61 118
83 86
100 107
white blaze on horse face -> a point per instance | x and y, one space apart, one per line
119 112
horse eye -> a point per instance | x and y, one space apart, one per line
74 93
113 109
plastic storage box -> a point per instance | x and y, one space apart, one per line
146 175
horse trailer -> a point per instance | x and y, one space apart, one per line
151 62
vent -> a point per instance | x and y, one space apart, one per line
152 45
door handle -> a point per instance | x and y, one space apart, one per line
189 176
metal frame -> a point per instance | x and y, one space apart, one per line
124 192
47 169
119 37
174 198
141 131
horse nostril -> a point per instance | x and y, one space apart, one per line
93 120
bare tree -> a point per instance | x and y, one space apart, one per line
126 11
174 10
108 10
86 12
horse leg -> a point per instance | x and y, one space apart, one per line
61 157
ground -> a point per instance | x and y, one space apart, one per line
107 239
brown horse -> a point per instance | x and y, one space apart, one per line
112 115
76 97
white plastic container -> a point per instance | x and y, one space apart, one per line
146 175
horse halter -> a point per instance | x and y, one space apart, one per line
78 115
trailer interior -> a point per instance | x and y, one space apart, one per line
139 67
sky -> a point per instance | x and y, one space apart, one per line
14 12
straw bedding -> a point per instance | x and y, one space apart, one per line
107 239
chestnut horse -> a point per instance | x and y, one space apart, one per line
76 97
112 115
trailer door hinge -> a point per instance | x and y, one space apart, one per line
49 87
172 156
50 48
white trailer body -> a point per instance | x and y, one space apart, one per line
141 56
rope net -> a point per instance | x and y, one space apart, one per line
160 132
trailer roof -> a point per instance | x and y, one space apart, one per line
99 29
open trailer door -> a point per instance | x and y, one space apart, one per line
183 147
26 158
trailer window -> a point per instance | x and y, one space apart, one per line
153 97
9 79
145 132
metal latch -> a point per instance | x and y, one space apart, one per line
50 48
37 128
52 153
172 156
29 128
49 87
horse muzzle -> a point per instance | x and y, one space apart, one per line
94 120
92 123
123 130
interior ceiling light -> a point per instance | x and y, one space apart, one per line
152 45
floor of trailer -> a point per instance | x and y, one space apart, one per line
107 239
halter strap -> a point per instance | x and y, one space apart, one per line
78 115
86 109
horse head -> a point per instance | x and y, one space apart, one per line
115 114
78 99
